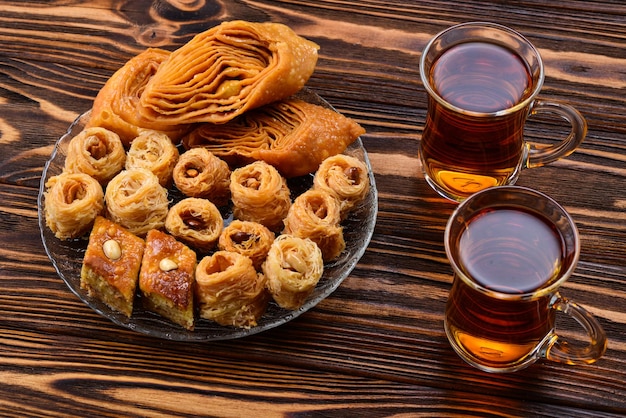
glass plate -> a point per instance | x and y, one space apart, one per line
67 255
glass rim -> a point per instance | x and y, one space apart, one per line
552 286
509 110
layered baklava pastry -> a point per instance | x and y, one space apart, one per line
111 265
71 203
226 71
136 200
344 177
315 214
260 194
247 238
292 135
167 277
115 106
96 152
229 290
197 222
155 152
292 269
199 173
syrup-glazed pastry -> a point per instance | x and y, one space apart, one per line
292 269
344 177
229 290
136 200
111 265
226 71
71 203
315 214
248 238
97 152
292 135
115 106
260 194
197 222
167 278
199 173
155 152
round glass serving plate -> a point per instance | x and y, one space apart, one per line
67 255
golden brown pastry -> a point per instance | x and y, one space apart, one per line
155 152
344 177
111 265
97 152
167 278
226 71
196 222
115 106
260 194
292 135
248 238
229 290
292 269
136 200
315 214
72 202
199 173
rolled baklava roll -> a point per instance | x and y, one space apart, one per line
292 269
226 71
155 152
315 214
199 173
229 290
292 135
260 194
195 221
96 152
344 177
135 200
247 238
115 106
72 202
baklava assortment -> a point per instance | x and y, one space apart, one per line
177 140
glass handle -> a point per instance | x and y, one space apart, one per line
559 350
542 154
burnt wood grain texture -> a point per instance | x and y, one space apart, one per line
376 346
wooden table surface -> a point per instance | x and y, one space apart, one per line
376 346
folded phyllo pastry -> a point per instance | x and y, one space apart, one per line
199 173
111 265
292 269
97 152
155 152
229 290
260 194
292 135
196 222
167 277
115 106
344 177
248 238
71 203
315 214
226 71
136 200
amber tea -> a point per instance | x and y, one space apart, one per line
512 252
482 81
467 154
511 248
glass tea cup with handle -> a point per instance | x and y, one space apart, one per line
482 81
511 248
